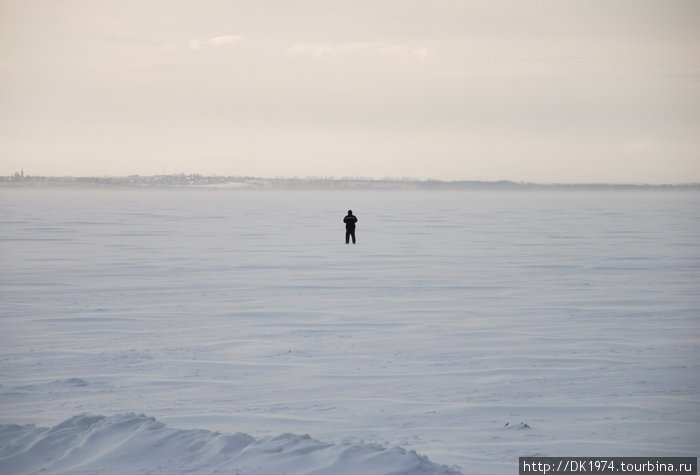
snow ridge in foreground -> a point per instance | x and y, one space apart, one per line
131 443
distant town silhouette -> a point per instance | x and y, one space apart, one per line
197 180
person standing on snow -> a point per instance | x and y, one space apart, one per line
350 221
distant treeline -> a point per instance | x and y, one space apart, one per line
239 182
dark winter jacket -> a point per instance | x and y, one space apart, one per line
350 221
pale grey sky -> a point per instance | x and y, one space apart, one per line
525 90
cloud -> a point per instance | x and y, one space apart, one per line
215 41
325 50
224 40
420 53
320 50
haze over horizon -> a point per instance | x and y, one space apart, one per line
568 91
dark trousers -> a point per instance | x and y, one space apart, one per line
349 232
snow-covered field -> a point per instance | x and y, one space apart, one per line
469 327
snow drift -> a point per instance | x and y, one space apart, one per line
131 443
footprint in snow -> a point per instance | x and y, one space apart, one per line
520 426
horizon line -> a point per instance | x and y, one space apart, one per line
20 176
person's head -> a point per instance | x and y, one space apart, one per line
349 212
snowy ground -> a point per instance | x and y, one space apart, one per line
472 328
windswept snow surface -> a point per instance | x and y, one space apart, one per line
130 443
469 327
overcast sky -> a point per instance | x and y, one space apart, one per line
524 90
